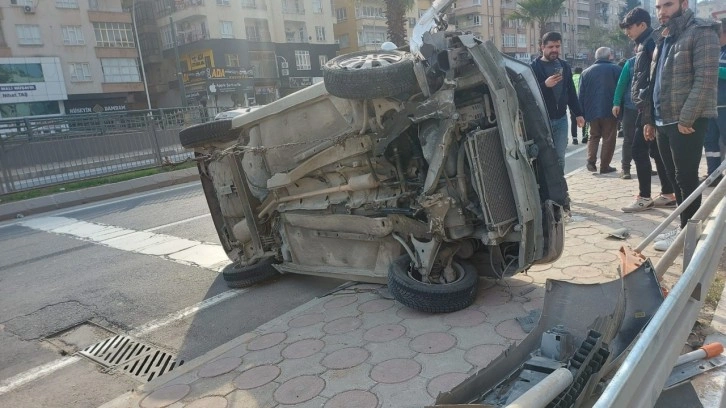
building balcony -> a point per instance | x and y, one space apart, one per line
254 4
187 37
110 87
294 10
189 12
109 17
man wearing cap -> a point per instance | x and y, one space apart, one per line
636 25
684 80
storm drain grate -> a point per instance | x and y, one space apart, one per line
141 361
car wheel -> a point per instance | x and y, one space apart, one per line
369 74
407 288
243 276
206 133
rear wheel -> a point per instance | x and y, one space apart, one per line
206 133
406 286
370 74
242 277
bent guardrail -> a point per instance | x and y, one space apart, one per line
640 379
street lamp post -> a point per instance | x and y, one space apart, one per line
141 56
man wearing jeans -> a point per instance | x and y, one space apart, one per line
558 90
683 89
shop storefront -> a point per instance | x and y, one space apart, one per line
31 87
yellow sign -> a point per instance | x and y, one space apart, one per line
199 60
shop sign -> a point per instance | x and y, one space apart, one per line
198 60
85 107
264 90
300 82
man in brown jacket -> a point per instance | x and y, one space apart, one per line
684 80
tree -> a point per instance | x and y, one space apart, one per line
629 5
537 11
396 20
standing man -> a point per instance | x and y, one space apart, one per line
597 90
716 132
636 25
558 90
623 103
573 119
684 81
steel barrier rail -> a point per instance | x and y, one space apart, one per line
640 379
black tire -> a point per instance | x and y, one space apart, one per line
369 74
242 277
206 133
432 298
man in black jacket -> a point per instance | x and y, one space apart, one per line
636 25
558 90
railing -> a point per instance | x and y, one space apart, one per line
46 151
640 378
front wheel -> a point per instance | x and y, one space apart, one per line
243 276
405 284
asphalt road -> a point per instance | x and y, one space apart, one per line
60 292
64 288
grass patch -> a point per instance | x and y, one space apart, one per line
99 181
714 292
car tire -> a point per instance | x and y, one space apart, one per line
243 276
206 133
432 298
369 74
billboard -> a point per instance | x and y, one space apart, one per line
31 80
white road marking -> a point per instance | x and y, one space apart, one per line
171 224
41 371
180 250
578 150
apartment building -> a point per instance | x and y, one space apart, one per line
361 24
232 52
67 57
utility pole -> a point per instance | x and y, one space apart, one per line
141 57
179 73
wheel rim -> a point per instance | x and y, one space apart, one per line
414 275
370 61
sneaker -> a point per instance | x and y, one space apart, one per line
574 141
663 201
591 167
608 169
666 242
668 234
640 204
625 175
584 139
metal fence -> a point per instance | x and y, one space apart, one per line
42 152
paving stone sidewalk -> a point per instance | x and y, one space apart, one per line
359 348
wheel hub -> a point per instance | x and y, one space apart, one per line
370 61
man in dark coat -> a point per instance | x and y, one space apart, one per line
597 88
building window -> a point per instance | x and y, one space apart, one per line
80 71
225 29
476 20
411 22
302 60
73 35
28 34
491 20
249 4
369 12
223 2
93 4
16 110
320 33
71 4
253 33
343 41
317 6
22 3
116 35
232 60
521 40
341 14
477 2
119 70
510 40
322 59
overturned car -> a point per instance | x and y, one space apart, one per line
423 168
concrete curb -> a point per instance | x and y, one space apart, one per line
87 195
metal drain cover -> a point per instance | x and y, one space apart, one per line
141 361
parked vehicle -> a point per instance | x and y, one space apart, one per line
424 168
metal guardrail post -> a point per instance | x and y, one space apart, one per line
640 378
7 179
155 139
28 128
693 233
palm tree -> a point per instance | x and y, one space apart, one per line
396 20
537 11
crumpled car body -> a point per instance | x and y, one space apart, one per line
425 169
